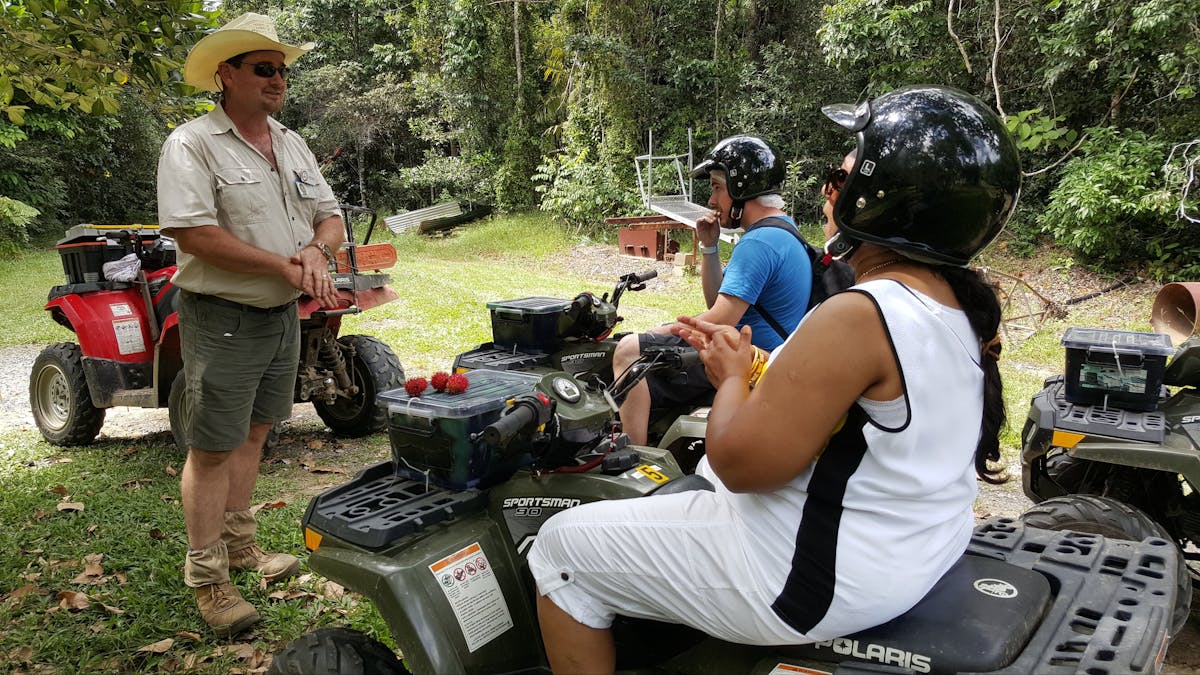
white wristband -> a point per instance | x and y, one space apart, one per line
708 250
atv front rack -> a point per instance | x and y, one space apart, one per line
378 507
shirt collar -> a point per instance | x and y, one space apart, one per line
221 124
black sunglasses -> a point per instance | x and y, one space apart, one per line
835 179
265 70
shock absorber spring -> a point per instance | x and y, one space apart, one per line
331 356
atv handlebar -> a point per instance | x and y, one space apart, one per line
634 281
500 432
523 412
675 359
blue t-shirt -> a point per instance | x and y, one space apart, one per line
770 267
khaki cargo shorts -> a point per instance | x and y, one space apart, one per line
239 365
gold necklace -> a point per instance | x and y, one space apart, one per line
880 266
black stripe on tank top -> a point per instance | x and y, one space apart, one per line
808 591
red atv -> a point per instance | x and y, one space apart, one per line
128 352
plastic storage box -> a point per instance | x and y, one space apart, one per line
431 434
86 248
1115 368
528 324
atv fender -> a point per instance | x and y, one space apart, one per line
363 300
685 428
406 584
109 324
1168 457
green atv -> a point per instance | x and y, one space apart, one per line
1112 447
437 538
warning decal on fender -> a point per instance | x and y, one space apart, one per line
470 585
128 333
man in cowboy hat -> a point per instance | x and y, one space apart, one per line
255 224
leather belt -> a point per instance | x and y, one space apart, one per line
222 302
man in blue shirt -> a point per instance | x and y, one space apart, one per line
765 286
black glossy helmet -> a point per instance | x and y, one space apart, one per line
752 167
936 176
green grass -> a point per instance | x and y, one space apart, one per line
27 281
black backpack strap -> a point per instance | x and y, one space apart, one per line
762 311
788 226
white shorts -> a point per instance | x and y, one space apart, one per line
679 558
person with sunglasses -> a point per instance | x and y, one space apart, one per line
255 225
766 284
844 474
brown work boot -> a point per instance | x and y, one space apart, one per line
245 553
223 608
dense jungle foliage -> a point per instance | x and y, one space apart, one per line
545 103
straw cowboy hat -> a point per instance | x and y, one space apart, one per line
249 32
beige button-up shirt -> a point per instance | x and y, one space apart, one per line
208 174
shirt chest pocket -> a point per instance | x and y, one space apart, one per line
241 196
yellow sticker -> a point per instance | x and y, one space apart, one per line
652 473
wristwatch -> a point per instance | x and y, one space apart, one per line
708 250
323 248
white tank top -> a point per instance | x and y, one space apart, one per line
886 510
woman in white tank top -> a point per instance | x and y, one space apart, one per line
844 472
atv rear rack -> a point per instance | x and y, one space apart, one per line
1105 609
377 507
1149 427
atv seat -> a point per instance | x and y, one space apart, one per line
977 618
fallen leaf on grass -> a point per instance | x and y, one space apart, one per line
112 610
188 635
39 514
157 534
120 577
24 591
159 647
266 506
72 601
98 627
167 498
129 451
135 483
60 490
332 590
316 468
316 444
21 655
91 574
70 506
291 594
92 528
170 471
30 576
241 650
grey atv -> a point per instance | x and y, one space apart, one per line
437 538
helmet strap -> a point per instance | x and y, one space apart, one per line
735 214
839 246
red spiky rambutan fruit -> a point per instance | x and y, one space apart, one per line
415 385
439 380
457 384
